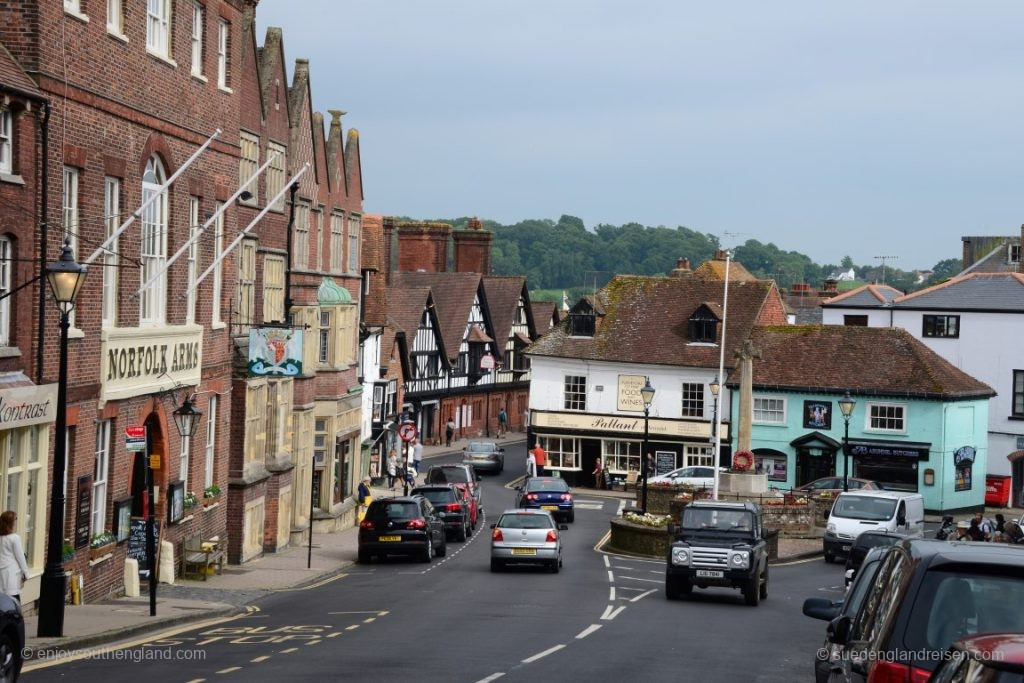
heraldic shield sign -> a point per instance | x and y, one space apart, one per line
275 352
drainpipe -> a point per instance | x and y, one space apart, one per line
44 200
288 264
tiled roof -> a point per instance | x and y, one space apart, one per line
502 301
452 294
647 321
714 269
869 296
405 308
875 361
542 312
977 291
12 75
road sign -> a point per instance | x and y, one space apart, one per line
135 439
407 431
487 362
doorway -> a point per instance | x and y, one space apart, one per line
814 463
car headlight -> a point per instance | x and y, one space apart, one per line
830 528
681 556
739 559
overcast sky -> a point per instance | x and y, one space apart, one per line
860 128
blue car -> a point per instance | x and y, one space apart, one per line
547 493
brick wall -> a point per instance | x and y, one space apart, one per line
423 246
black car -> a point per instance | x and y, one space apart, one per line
407 525
860 547
926 595
12 638
448 503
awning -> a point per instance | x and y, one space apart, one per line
816 437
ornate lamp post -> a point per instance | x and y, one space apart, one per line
846 404
66 277
647 393
715 387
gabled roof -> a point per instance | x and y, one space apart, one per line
543 314
877 361
975 292
647 321
453 295
272 68
503 295
14 77
865 296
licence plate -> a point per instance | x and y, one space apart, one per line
709 574
846 548
390 538
548 507
524 551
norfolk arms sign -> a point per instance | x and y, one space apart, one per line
137 361
626 424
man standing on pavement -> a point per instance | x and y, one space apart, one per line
598 474
417 454
502 422
541 458
531 465
449 431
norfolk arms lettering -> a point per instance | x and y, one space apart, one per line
151 359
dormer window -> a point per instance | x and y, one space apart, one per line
704 326
581 324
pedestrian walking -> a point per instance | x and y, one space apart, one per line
417 454
598 474
13 569
363 497
502 422
449 431
541 458
531 465
392 469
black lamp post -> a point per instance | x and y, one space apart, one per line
66 277
647 393
846 404
715 387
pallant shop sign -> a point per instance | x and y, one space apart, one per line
138 361
29 405
627 424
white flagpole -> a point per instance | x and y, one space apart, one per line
138 212
721 377
234 243
205 225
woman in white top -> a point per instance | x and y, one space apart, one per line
13 569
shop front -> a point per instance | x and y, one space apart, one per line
893 464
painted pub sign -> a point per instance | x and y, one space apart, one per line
275 352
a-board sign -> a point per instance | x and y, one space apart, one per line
665 462
137 542
83 511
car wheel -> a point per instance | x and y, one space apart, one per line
10 658
429 554
555 566
572 516
496 565
441 550
461 534
673 587
752 591
364 557
829 557
764 584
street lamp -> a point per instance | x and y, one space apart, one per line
186 418
715 387
846 404
66 277
647 393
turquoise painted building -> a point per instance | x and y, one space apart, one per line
918 423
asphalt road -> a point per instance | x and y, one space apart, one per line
602 617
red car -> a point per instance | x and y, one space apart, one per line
993 658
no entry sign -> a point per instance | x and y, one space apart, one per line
407 431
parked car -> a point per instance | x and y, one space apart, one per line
826 659
695 476
864 543
547 493
836 484
484 456
406 525
463 476
926 595
12 638
451 505
526 536
992 658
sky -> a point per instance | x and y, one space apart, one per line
861 128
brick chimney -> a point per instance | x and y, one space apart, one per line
473 249
389 224
423 246
682 268
829 289
719 255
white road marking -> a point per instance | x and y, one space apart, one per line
589 502
587 631
635 578
334 635
353 627
257 660
545 653
229 669
629 588
197 680
611 593
610 613
369 619
643 595
816 558
622 506
289 650
490 678
611 577
606 562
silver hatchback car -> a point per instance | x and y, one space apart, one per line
528 537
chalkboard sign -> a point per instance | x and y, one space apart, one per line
666 462
83 512
607 479
137 542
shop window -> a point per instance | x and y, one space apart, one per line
887 417
22 482
947 326
575 396
775 466
769 411
255 422
693 399
703 456
563 453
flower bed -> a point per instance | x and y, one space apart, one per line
639 539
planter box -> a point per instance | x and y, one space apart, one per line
95 553
207 502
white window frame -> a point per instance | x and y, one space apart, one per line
337 242
192 259
111 221
211 442
273 288
218 270
198 29
276 173
692 405
870 417
698 455
115 18
618 455
355 224
6 267
101 471
325 346
316 228
24 487
158 27
223 58
300 249
574 400
248 163
769 405
153 230
183 460
6 141
70 217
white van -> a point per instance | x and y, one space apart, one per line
855 512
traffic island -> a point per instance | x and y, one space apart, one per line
639 539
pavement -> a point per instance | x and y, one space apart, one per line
296 568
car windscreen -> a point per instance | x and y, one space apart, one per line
962 602
519 521
447 475
479 447
721 520
439 496
864 507
547 485
393 510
